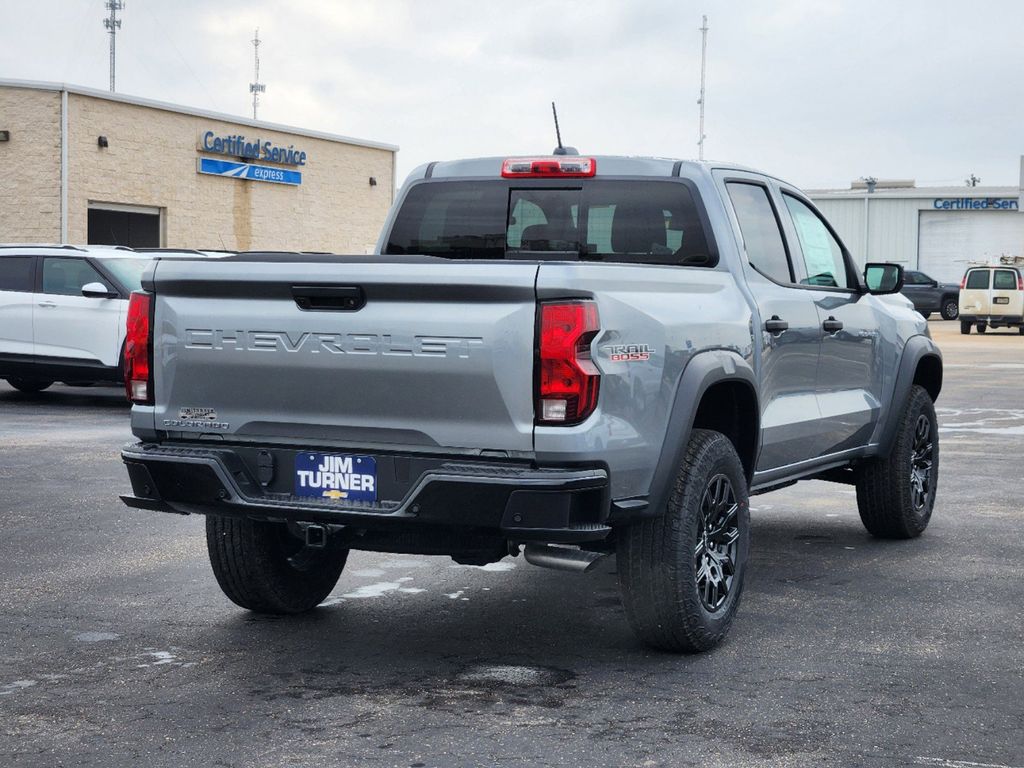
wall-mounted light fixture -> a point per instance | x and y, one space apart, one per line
373 181
102 142
5 135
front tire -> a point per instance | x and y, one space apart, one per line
263 567
965 327
29 386
925 315
681 573
950 309
896 495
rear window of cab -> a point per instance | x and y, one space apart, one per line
639 222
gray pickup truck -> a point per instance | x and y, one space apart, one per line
563 356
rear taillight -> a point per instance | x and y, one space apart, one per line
548 167
963 282
1020 283
138 343
567 379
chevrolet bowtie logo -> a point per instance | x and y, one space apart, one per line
335 495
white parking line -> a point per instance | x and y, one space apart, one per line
1013 366
947 763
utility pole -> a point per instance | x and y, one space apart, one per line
256 87
112 23
703 70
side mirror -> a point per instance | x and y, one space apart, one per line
98 291
883 278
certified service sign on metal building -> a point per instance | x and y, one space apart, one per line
937 230
87 166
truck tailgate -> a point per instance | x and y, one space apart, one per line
433 355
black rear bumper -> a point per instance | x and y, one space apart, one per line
510 501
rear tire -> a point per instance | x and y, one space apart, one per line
1020 330
29 386
263 567
965 328
950 309
896 494
681 573
982 327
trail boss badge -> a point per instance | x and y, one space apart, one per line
627 353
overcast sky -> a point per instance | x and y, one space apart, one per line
814 91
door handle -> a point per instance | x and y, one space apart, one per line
47 304
776 325
832 325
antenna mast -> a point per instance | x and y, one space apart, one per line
703 70
256 87
558 133
112 23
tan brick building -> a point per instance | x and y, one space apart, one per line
87 166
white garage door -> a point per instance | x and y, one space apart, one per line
948 240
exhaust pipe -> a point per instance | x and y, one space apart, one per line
562 558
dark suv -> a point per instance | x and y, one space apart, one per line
930 295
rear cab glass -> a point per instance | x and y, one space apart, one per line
608 220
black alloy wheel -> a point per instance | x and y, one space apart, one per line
714 556
921 463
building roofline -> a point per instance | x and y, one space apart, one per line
78 90
916 192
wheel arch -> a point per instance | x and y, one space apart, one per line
718 391
920 363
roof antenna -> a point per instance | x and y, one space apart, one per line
560 150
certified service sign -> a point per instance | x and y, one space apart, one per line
236 170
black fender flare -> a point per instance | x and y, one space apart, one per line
704 370
916 349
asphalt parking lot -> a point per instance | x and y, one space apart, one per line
118 649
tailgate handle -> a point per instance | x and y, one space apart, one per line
329 298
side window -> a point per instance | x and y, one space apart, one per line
766 250
977 279
16 273
914 278
65 277
1004 280
823 256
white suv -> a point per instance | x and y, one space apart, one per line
62 312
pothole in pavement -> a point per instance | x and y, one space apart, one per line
513 675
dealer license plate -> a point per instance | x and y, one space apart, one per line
339 477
